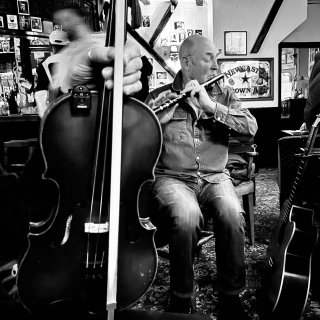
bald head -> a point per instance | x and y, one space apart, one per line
197 56
192 44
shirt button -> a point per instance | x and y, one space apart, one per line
198 158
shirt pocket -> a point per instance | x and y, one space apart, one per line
175 129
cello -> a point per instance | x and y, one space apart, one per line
72 256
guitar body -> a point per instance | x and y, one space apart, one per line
289 259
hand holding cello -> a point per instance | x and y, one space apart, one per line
87 57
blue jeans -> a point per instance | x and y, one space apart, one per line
180 208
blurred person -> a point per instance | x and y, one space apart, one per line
312 107
57 39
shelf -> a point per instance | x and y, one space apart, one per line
23 33
19 118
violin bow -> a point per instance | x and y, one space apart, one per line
114 206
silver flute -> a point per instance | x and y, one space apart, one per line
186 94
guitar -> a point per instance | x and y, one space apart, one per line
290 251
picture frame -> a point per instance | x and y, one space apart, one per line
1 22
235 43
24 22
251 78
23 7
36 24
146 21
12 21
178 25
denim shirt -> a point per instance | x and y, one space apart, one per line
196 146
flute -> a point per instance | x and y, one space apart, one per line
187 94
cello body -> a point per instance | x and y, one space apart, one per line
65 259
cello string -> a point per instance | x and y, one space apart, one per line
103 143
94 187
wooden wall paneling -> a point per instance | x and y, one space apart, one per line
166 17
266 26
150 50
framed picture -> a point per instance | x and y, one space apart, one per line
146 21
178 25
235 43
24 22
36 24
182 36
12 21
189 32
23 7
251 79
1 22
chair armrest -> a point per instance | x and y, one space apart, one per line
241 162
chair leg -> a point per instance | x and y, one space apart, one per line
248 203
254 192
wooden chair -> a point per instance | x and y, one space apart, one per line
16 153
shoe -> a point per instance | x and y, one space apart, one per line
182 305
230 308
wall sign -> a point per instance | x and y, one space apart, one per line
251 79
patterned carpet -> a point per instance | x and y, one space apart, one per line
266 218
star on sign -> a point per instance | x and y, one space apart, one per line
245 78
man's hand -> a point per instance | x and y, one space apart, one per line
132 66
165 115
83 57
199 96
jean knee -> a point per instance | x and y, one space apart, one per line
187 217
230 213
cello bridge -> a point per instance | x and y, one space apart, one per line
91 227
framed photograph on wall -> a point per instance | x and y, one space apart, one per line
36 24
1 22
23 7
24 22
235 43
251 79
12 21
